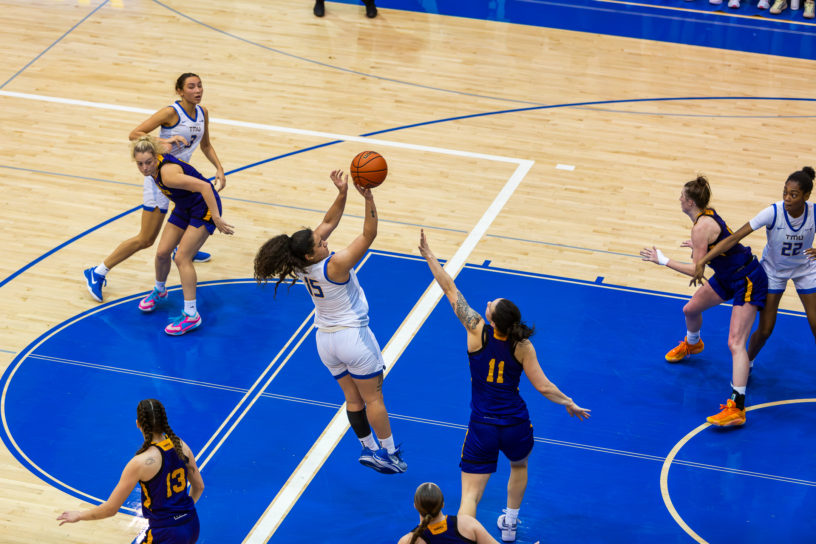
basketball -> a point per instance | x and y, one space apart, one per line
368 169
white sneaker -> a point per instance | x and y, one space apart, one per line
715 2
508 532
734 4
763 4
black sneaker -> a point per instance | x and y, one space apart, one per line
319 8
371 9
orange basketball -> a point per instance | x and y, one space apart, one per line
368 169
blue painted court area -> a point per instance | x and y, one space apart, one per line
695 22
76 389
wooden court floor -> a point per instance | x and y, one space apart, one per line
77 76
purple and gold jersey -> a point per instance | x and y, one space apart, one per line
165 501
444 532
726 264
494 377
182 198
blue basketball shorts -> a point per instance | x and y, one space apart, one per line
186 533
195 216
483 442
748 285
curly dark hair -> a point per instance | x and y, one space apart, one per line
283 257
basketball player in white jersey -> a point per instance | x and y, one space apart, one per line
789 226
184 125
345 344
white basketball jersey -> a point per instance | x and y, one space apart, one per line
191 130
788 237
336 304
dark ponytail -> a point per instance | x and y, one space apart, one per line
283 257
699 191
153 420
804 178
507 318
428 501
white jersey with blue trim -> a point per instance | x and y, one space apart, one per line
788 237
190 129
337 305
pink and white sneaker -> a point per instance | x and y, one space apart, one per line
148 304
183 323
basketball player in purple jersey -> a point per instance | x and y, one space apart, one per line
499 350
162 467
182 126
738 277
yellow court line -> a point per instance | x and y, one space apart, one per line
720 13
664 472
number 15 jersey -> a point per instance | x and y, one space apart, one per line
337 305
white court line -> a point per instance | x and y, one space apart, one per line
272 128
262 388
251 390
434 422
322 448
320 451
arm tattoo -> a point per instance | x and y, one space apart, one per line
465 313
149 461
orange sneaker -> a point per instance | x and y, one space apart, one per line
683 350
730 415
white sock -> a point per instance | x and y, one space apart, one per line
511 515
740 390
388 444
101 270
190 307
692 337
160 286
369 442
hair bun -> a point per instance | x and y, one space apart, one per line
809 171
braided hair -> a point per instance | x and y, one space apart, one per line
804 178
507 318
152 419
428 501
283 257
699 191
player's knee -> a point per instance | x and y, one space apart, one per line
183 258
690 310
763 332
736 345
145 242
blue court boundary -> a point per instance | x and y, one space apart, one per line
7 375
414 125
